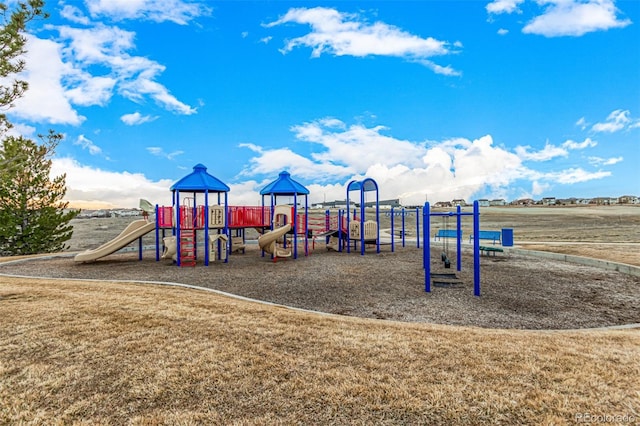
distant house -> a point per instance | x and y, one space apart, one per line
629 199
583 201
524 202
549 201
483 202
443 204
384 203
126 212
604 201
88 214
337 204
498 202
459 202
567 201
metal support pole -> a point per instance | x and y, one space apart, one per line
392 230
403 228
459 245
417 227
476 248
426 253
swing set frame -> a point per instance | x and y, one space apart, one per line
426 229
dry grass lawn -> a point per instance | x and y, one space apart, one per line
112 353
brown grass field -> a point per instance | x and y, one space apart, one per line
85 352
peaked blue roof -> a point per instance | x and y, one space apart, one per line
200 181
284 185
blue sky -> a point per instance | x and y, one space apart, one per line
433 99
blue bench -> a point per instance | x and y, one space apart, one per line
495 236
447 233
490 250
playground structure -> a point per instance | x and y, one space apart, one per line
285 218
281 225
226 225
200 206
350 225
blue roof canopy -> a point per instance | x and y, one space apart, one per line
199 181
284 185
365 185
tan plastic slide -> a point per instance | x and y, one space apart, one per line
268 240
170 248
132 232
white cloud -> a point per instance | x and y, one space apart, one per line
159 152
136 118
61 74
87 144
575 18
598 161
275 160
576 175
503 6
547 153
87 186
21 129
503 31
410 170
538 188
582 123
133 77
90 90
587 143
46 100
340 34
74 14
615 122
357 146
177 11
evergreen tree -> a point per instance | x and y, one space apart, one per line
32 219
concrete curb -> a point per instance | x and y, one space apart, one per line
587 261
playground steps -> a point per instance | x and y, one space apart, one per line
446 280
187 247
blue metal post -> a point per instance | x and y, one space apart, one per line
306 225
140 248
378 220
459 245
348 223
403 228
226 230
157 237
340 236
392 230
177 213
362 218
476 248
426 253
417 227
294 226
206 228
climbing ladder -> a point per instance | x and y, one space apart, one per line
187 247
188 223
